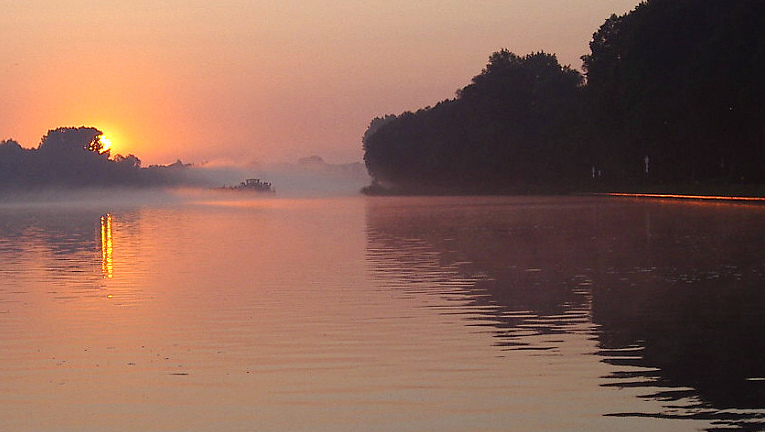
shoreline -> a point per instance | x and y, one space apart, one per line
682 197
738 193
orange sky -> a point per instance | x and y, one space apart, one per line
258 80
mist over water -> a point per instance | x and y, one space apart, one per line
75 163
107 198
289 180
309 177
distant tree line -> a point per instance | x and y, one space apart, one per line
672 93
76 157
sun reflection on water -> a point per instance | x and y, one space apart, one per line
107 261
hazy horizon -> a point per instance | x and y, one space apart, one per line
199 182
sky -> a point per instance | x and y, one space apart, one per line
258 81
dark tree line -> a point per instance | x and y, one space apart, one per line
682 82
673 95
506 128
76 157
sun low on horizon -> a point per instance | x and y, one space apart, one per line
106 143
114 141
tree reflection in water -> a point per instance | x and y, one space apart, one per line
68 245
62 244
673 291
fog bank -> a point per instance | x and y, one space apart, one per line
308 177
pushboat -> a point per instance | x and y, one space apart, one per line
251 185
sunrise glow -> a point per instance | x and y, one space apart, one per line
175 82
106 142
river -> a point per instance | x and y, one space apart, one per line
383 314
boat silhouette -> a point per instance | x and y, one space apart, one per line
250 185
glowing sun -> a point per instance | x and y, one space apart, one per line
106 143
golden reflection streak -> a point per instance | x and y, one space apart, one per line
107 262
692 197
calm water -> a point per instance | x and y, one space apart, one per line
387 314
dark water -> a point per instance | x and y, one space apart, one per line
674 290
418 314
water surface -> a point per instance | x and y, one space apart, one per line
380 314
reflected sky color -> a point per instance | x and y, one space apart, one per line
380 314
258 80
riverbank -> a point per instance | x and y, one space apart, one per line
699 192
684 197
488 190
739 192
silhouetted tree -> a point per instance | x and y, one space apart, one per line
674 95
679 81
75 157
67 139
71 156
130 161
510 128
